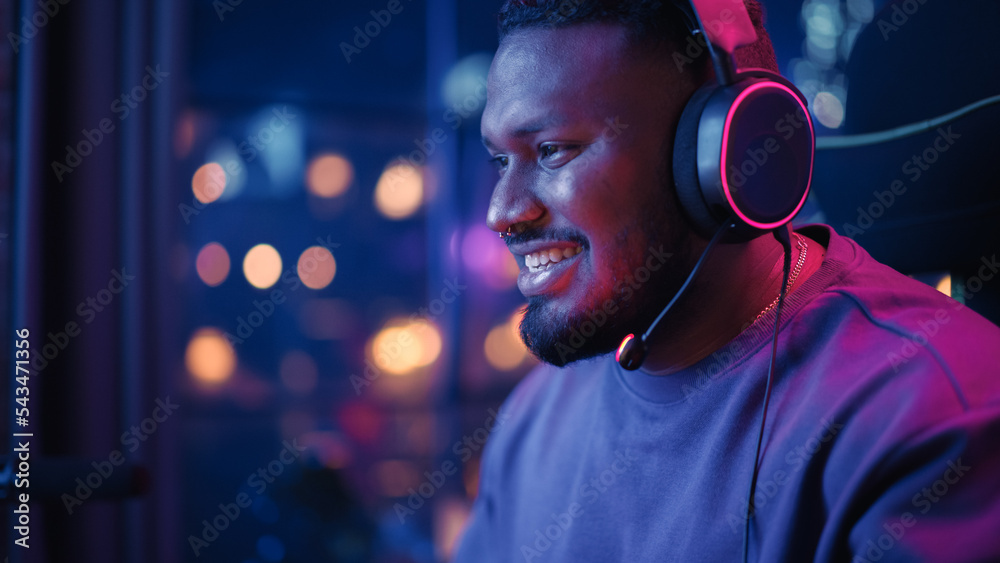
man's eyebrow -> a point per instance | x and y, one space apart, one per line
527 129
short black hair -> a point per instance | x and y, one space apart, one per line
648 23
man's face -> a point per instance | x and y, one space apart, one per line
581 128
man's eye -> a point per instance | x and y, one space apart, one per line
500 162
556 155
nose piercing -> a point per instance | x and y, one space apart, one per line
502 235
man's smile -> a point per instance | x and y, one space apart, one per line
545 265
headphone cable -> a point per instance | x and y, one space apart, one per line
781 234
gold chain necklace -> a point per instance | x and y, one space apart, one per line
803 249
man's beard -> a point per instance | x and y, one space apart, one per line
591 332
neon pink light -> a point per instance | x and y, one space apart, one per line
726 23
725 149
618 354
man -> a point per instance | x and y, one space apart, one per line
881 437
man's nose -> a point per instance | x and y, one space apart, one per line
514 201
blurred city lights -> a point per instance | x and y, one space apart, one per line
209 357
209 182
316 267
262 266
503 347
298 372
329 175
404 345
400 191
212 264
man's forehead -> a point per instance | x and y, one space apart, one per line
541 77
581 52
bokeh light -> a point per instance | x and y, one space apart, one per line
329 175
404 345
212 264
209 182
486 255
298 372
209 357
316 267
262 266
944 285
400 191
504 348
464 86
828 109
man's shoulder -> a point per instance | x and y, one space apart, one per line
895 326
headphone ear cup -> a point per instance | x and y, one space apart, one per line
686 181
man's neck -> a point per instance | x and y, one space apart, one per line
738 282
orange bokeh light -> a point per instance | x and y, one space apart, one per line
329 175
209 357
400 191
262 266
316 267
209 182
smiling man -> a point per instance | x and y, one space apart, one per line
600 464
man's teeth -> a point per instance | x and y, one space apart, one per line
552 255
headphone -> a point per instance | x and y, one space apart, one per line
743 150
745 144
